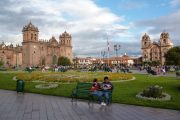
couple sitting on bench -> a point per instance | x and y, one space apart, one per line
102 90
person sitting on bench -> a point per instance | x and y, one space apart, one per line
106 91
95 89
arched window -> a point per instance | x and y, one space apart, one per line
145 43
164 41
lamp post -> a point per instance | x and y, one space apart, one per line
116 48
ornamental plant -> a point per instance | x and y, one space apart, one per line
153 91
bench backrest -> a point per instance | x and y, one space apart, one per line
83 86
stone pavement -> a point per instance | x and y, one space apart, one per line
30 106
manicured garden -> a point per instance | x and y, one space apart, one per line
124 92
71 76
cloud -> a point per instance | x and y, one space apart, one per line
170 23
175 3
83 19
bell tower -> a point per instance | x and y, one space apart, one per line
145 47
30 33
30 51
145 42
165 39
66 45
165 44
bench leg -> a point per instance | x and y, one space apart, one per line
72 98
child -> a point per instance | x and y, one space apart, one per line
95 85
95 90
107 87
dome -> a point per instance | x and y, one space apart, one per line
30 26
53 40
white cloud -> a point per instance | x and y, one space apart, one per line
87 22
170 23
175 3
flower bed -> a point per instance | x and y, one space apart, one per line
72 76
165 97
46 86
154 93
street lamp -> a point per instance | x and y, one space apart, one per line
103 53
116 48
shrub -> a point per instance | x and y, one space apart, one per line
153 91
178 73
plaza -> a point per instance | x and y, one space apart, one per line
89 60
43 107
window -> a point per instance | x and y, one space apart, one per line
35 37
164 41
145 43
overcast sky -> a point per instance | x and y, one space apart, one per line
91 22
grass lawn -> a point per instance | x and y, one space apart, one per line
124 92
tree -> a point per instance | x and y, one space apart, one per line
173 56
147 63
155 63
64 61
1 63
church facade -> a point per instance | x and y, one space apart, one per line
34 51
155 51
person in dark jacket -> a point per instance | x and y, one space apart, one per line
106 87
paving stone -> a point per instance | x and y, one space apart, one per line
30 106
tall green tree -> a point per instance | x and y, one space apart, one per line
155 63
64 61
173 56
1 63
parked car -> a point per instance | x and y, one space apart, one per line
152 72
107 69
61 69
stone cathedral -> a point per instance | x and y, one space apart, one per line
34 51
155 51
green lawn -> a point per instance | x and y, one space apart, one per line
124 92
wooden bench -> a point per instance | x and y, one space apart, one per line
82 90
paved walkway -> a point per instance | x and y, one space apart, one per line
29 106
144 72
